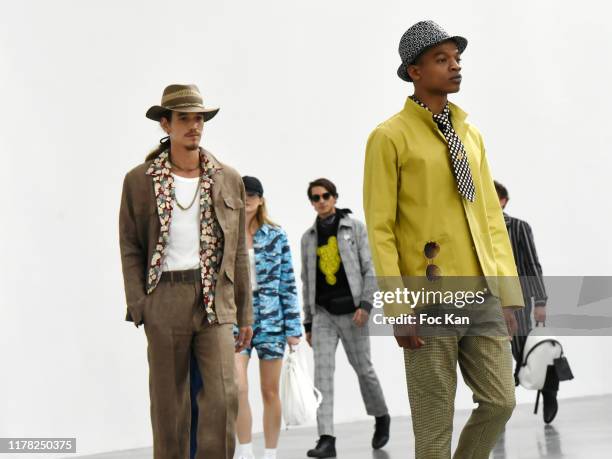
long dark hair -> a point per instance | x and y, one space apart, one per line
164 143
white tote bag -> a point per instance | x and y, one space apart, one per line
540 351
299 398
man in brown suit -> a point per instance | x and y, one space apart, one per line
185 270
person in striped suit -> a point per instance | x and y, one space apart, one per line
530 272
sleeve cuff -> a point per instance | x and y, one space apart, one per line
366 306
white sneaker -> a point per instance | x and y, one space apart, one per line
245 451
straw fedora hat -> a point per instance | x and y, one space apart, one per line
181 98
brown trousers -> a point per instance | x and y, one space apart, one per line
174 322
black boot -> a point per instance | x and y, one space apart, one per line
326 447
550 405
381 431
549 394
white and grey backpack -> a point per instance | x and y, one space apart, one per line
542 367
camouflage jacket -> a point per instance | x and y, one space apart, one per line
275 304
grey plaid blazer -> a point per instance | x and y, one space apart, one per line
355 254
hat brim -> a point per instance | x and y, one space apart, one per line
156 112
402 70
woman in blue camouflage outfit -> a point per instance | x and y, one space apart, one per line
276 320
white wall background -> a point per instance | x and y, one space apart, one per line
301 84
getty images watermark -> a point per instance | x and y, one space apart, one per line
575 305
410 299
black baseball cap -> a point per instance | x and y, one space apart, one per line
252 185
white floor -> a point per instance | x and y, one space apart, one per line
582 430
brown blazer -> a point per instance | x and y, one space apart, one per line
139 228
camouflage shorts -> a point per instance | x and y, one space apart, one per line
267 350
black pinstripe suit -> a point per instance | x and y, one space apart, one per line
532 281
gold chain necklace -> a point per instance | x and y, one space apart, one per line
195 195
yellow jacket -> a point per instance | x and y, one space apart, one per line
410 197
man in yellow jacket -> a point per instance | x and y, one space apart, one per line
432 212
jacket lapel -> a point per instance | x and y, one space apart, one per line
212 172
163 186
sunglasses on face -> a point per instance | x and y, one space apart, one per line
317 197
431 250
250 194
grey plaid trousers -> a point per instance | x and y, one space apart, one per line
327 330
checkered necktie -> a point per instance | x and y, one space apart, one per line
458 155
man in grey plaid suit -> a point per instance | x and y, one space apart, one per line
338 284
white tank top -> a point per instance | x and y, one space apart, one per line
254 285
183 250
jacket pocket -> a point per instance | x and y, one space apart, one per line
230 217
225 301
348 246
233 203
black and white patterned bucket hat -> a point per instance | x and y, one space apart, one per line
419 38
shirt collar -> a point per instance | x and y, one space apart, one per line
161 164
261 235
456 114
